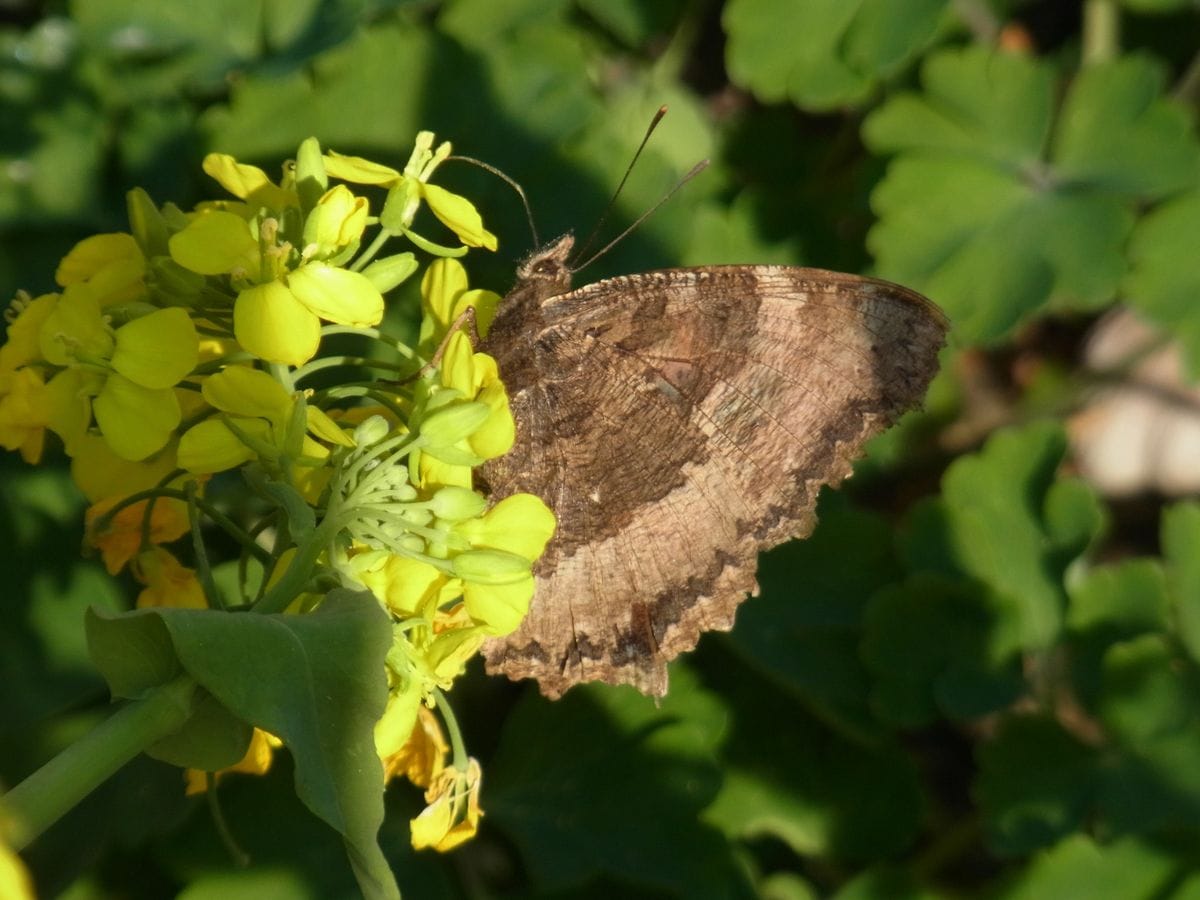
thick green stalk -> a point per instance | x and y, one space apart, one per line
41 799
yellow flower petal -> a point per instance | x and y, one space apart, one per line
135 421
209 446
323 427
121 538
459 215
21 342
499 607
357 170
395 733
75 329
520 524
100 473
94 254
337 220
23 413
453 813
248 182
273 325
215 243
337 295
168 583
157 350
69 406
243 391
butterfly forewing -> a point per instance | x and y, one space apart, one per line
678 422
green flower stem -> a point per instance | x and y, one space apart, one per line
1101 31
304 563
458 748
45 796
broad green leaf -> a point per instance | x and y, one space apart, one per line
1164 278
1036 782
790 777
607 783
805 629
133 651
211 740
997 207
315 681
823 53
1181 552
940 646
1128 869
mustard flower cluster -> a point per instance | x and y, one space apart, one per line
181 349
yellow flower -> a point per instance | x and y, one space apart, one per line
250 183
422 756
445 296
278 310
22 343
123 377
496 589
337 221
101 474
454 211
452 814
111 264
257 761
259 412
121 539
23 413
168 583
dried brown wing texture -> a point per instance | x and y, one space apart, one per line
678 422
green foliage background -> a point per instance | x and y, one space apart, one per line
978 678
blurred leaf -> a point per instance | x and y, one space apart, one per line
155 49
1181 549
1035 784
883 883
787 776
607 782
1156 6
993 523
632 22
824 53
805 629
1079 867
1119 600
1146 693
982 214
1164 279
1107 604
334 100
940 646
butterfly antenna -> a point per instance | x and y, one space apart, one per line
510 182
695 170
591 238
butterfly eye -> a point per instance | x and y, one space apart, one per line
545 267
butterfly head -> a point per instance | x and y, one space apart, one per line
548 267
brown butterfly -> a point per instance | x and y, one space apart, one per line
678 422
